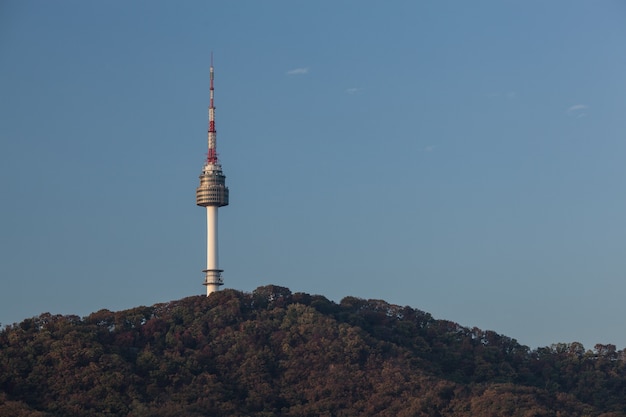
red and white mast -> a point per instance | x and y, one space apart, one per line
212 154
212 194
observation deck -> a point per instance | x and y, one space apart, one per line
212 190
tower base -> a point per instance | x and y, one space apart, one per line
212 280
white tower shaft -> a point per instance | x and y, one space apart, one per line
212 270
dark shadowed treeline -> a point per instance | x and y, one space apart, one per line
274 353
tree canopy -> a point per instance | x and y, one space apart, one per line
277 353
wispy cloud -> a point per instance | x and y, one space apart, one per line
577 108
429 148
353 90
298 71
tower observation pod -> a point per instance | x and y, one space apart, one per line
212 194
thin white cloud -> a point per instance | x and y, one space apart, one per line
429 148
577 108
353 90
298 71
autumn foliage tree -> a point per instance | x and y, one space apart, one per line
277 353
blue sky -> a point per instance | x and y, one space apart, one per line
463 158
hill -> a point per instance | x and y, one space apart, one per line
274 353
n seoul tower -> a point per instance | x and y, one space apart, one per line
212 193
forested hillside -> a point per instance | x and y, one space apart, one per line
274 353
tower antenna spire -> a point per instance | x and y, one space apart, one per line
211 194
212 133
